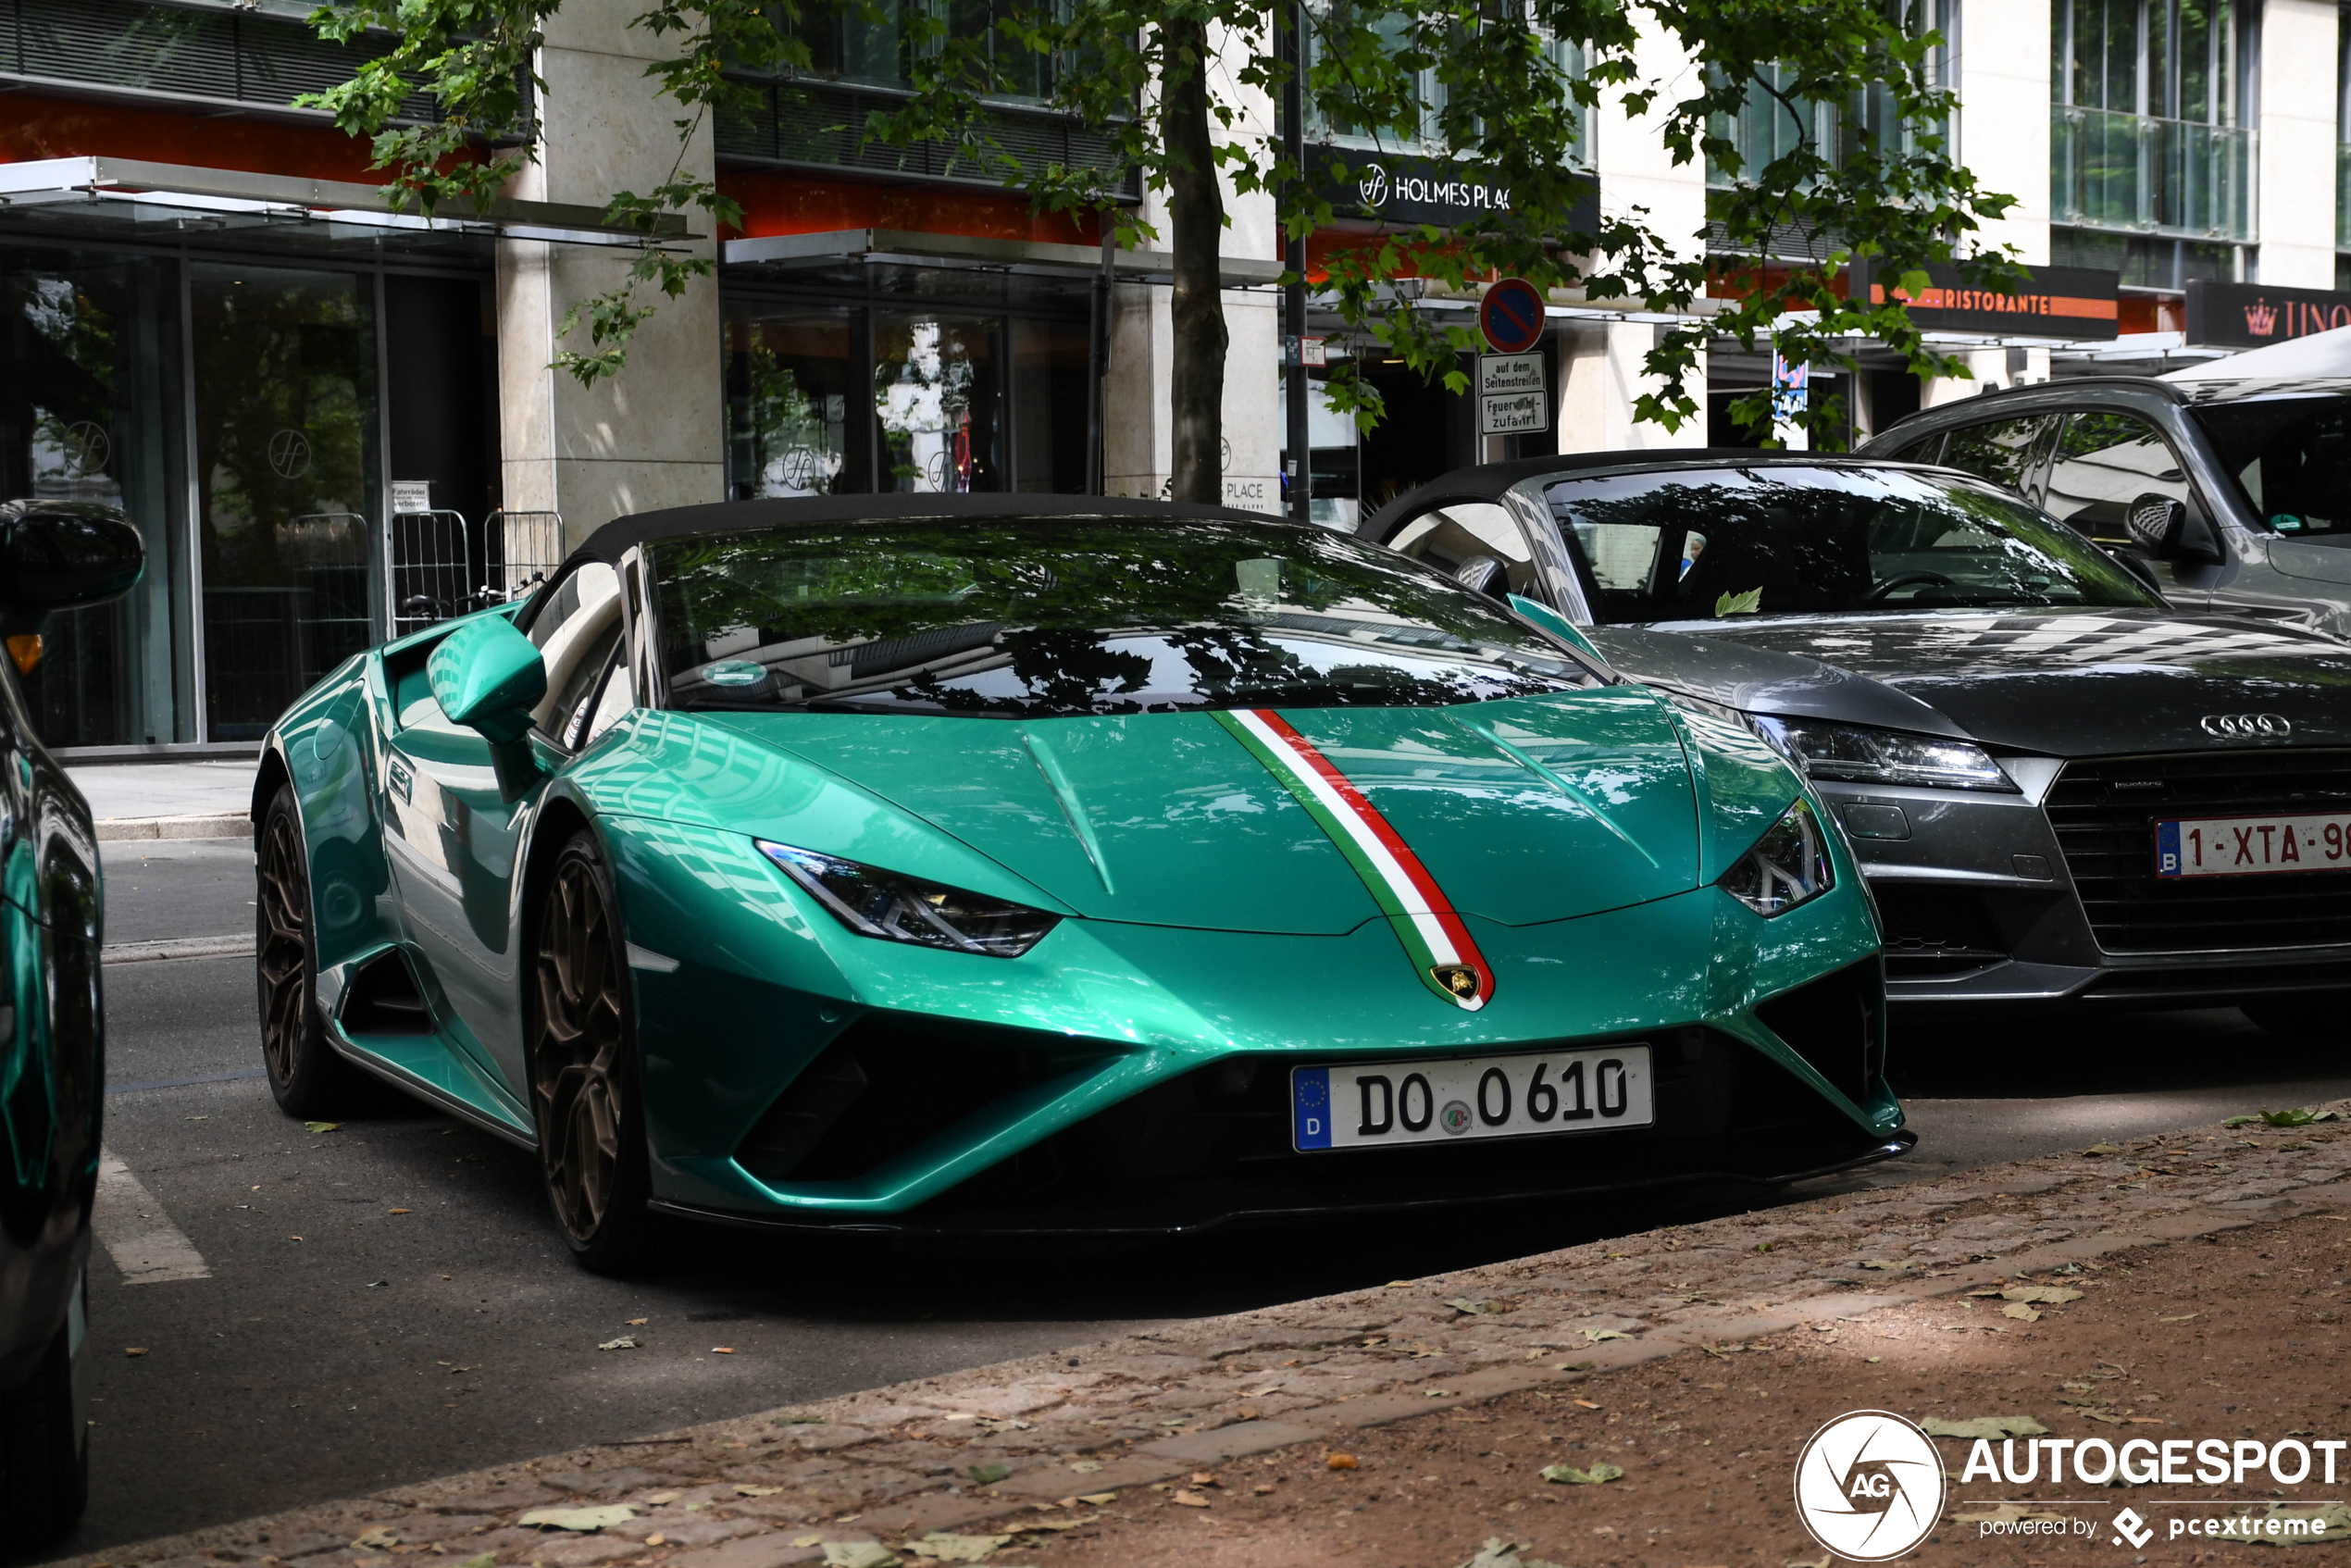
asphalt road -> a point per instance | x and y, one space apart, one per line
386 1302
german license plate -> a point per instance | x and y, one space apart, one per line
2252 846
1388 1104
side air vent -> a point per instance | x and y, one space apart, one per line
1836 1024
382 999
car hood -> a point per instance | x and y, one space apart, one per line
2064 683
1524 810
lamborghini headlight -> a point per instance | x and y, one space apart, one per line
1789 865
874 902
1884 756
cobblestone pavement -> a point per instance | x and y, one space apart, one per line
1051 1442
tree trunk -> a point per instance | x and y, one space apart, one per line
1196 218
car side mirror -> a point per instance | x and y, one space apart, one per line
2169 530
64 556
1482 574
487 677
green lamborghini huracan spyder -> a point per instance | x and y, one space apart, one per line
1035 863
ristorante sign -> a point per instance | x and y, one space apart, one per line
2254 314
2067 302
1366 183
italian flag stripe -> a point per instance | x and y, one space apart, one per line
1433 934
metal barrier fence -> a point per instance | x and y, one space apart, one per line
428 575
529 545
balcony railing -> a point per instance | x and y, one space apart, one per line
2109 171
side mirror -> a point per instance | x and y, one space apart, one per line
487 677
64 556
1559 626
1482 574
2166 528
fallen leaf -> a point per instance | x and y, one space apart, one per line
626 1342
2296 1118
1739 603
1586 1403
2020 1311
989 1474
1264 1488
1202 1479
1399 1285
1985 1427
1247 1413
579 1518
376 1540
323 1127
722 1350
2048 1295
2096 1149
2181 1318
1462 1305
638 1321
656 1538
134 1349
1084 1466
945 1545
2235 1121
860 1554
747 1490
1190 1500
808 1540
1594 1335
1098 1499
1569 1475
1890 1264
485 1560
1872 1358
402 1211
658 1498
1028 1526
1339 1462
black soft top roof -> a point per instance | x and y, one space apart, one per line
609 542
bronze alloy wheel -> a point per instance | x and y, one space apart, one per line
590 1145
281 951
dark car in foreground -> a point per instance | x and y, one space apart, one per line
2237 493
2060 788
53 556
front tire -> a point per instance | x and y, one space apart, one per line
583 1068
306 1076
45 1446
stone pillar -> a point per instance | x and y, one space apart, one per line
2000 67
1138 439
1599 369
652 436
2295 188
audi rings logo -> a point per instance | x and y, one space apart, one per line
1869 1486
2247 726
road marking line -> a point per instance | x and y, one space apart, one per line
146 1246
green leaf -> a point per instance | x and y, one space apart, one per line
989 1474
323 1127
1567 1475
1739 603
2296 1118
2239 1121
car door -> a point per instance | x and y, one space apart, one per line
2105 460
455 812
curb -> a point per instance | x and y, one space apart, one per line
1000 1445
177 946
206 825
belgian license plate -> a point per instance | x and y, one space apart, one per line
2252 846
1388 1104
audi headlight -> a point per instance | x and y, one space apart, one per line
1885 757
1789 865
874 902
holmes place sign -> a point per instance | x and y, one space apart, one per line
1362 182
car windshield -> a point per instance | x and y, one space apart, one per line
1044 617
1698 544
2290 456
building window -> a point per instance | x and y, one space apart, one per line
2151 127
1428 138
1769 126
880 44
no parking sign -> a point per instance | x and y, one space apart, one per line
1510 315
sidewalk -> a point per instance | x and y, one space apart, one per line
204 799
1679 1373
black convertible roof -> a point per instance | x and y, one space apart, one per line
609 543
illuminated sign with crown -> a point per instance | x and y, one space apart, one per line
2229 314
2260 319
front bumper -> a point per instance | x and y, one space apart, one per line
1980 907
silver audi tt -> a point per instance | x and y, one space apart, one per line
2062 789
